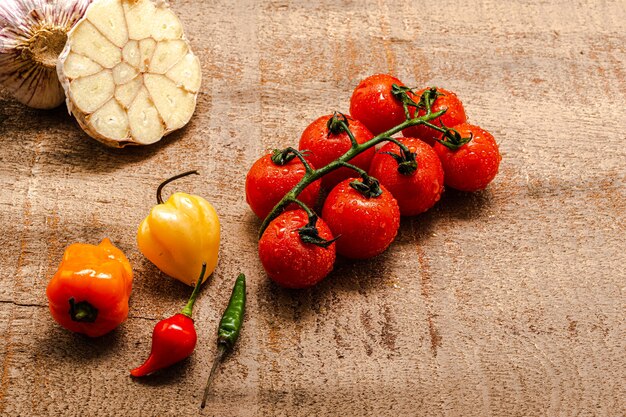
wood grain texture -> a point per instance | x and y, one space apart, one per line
508 302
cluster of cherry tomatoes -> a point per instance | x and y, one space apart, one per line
360 216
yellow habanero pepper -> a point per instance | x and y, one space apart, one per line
178 236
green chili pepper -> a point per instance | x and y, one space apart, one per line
229 328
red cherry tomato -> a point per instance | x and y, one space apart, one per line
475 164
325 147
453 116
374 105
416 192
366 226
289 261
267 183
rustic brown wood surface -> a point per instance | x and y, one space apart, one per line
506 302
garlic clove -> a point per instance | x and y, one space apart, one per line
166 25
167 54
153 78
95 46
77 66
125 94
111 121
141 14
90 93
173 103
123 73
32 35
187 73
108 17
145 123
146 50
131 53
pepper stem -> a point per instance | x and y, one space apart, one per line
83 311
167 181
196 290
221 351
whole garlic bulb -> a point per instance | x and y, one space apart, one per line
32 35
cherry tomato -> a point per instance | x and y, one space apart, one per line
366 226
453 116
326 146
416 192
374 105
267 183
475 164
289 261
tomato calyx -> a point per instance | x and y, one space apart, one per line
401 93
453 140
428 98
426 101
337 124
283 157
310 234
369 187
407 164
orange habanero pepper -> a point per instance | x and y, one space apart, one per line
89 292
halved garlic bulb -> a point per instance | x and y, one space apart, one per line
128 72
32 35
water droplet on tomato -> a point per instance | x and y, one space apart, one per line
281 232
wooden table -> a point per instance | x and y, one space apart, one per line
505 302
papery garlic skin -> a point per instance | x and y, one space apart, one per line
32 35
128 72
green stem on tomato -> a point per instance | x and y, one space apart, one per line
435 127
339 123
401 93
282 157
451 137
316 174
368 186
309 232
304 207
360 171
346 128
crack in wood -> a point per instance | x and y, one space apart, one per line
143 318
435 336
17 303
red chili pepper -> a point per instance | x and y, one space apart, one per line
173 339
